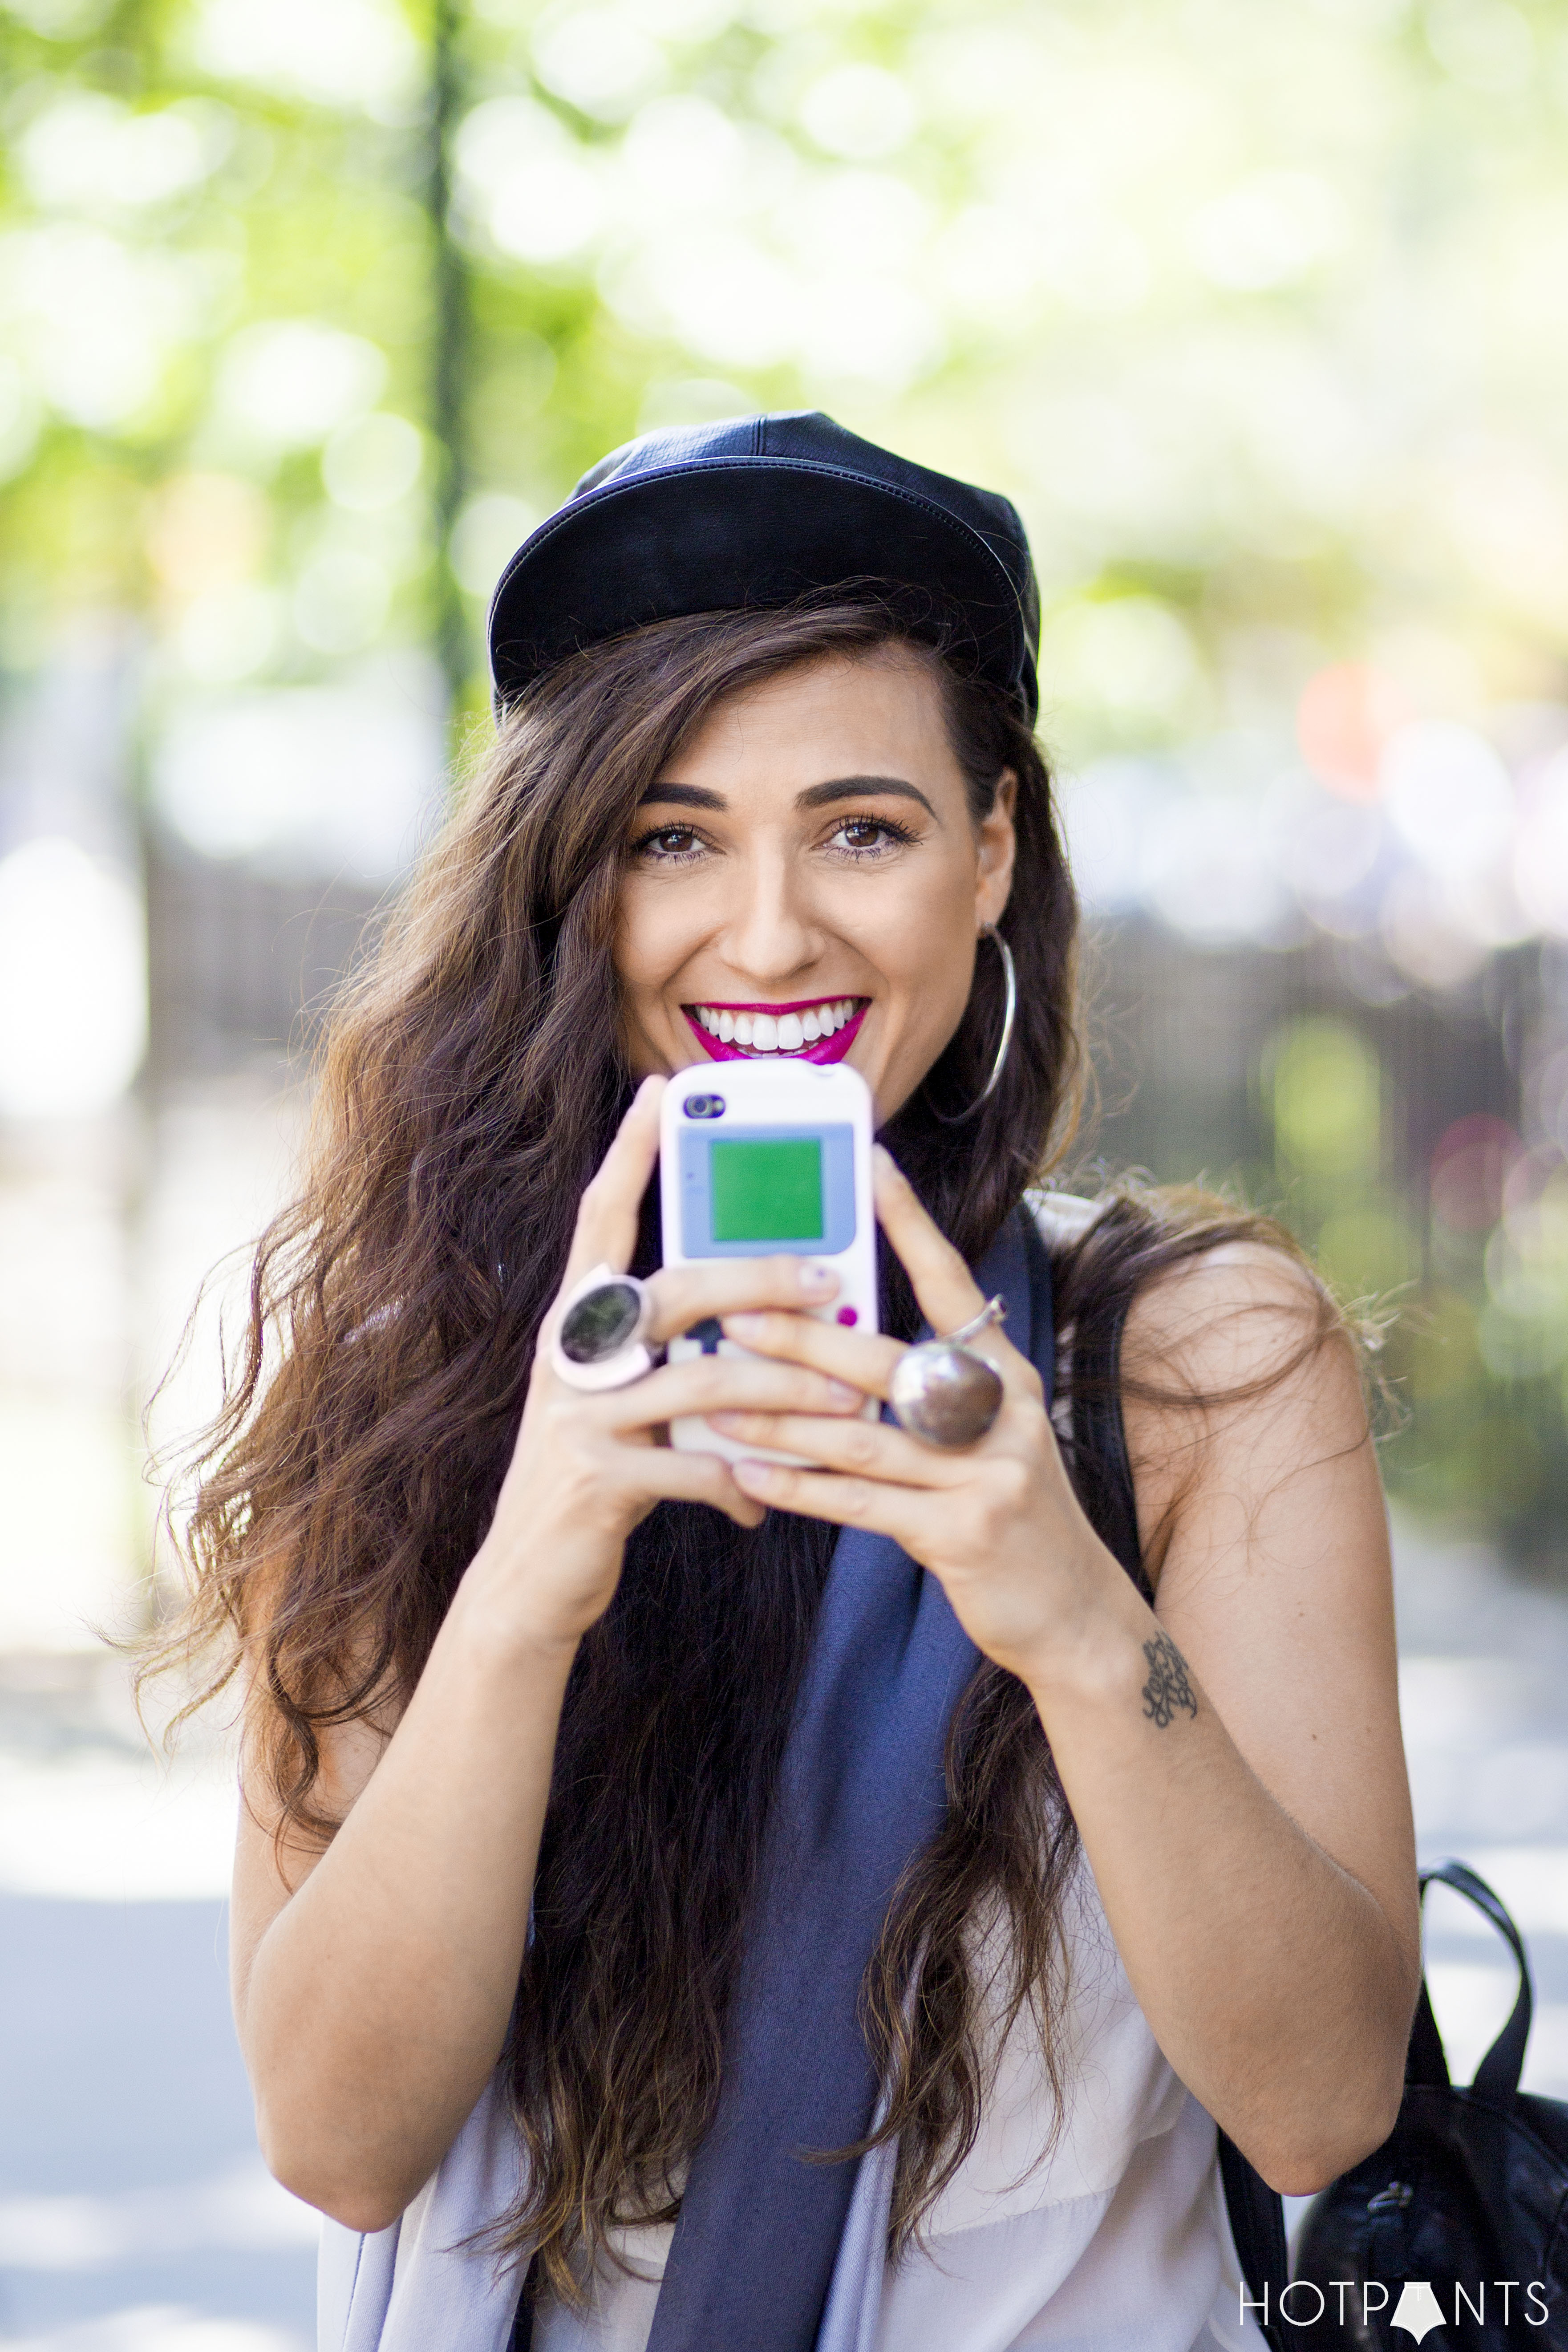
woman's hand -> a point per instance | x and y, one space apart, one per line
998 1522
586 1469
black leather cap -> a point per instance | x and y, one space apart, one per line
755 512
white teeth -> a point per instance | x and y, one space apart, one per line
775 1033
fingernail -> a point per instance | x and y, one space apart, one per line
842 1393
742 1326
820 1280
755 1474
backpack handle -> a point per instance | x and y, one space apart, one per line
1497 2076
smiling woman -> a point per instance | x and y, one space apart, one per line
803 863
688 1902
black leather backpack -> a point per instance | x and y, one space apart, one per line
1454 2233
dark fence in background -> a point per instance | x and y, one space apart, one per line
1401 1134
1193 1052
1180 1040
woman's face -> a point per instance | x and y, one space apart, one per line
806 881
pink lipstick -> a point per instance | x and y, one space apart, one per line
778 1032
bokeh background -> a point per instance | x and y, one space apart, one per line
311 311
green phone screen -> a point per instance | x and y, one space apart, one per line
767 1192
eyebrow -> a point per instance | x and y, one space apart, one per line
855 788
816 796
683 797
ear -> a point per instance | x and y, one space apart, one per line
996 843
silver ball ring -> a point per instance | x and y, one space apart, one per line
600 1339
943 1392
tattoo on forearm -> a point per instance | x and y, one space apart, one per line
1167 1687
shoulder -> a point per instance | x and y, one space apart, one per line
1242 1392
1213 1294
1235 1368
1222 1319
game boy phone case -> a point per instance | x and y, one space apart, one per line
757 1158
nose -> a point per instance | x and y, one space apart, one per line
771 934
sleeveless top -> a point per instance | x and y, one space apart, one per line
1099 2228
1110 2233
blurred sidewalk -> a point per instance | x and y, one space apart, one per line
135 2215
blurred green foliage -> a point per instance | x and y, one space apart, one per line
1254 307
314 307
1460 1270
1326 1093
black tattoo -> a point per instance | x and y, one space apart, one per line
1167 1687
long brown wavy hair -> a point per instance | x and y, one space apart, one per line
470 1085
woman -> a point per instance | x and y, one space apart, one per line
655 1914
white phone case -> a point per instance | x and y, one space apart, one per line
713 1203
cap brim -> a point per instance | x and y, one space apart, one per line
725 534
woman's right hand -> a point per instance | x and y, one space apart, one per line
586 1469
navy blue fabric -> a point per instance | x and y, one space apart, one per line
749 514
862 1791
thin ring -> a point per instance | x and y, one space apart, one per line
993 1311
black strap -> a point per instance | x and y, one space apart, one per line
522 2336
1101 1471
1425 2061
1257 2225
1497 2076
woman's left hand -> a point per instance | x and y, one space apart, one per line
997 1522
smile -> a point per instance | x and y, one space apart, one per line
821 1029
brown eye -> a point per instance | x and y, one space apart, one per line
869 836
669 841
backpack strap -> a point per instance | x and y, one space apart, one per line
1497 2076
1103 1475
1102 1478
1257 2225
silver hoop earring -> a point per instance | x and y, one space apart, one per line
1009 1013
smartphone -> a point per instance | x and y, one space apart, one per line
756 1159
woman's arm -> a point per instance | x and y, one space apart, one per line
1233 1762
373 1982
1257 1856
